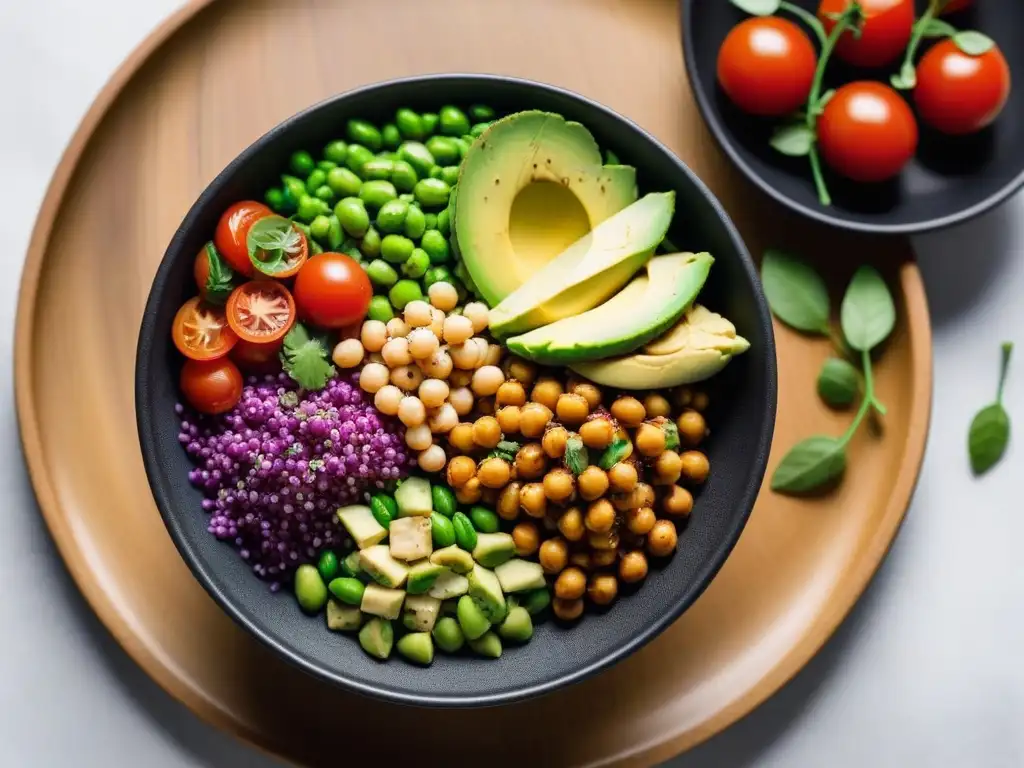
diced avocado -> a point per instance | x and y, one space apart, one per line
652 303
448 634
377 637
486 592
471 618
448 585
422 577
382 567
420 612
381 601
350 565
517 626
343 618
413 498
493 548
453 558
417 647
489 645
361 525
519 575
409 538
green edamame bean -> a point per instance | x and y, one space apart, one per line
448 635
378 169
353 216
408 197
326 165
443 500
481 113
536 600
432 193
357 157
436 246
320 226
381 273
390 136
472 621
310 207
441 531
391 216
430 121
344 182
436 172
403 292
294 188
444 150
301 163
335 233
370 244
403 176
409 124
274 197
484 520
417 647
437 275
431 220
347 590
380 308
450 175
463 146
315 180
350 565
453 121
444 223
417 264
415 222
517 626
396 249
383 507
362 132
478 129
377 192
418 156
325 193
310 590
336 151
328 565
465 533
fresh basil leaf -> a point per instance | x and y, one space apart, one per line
220 280
938 28
614 453
794 140
271 242
811 465
973 43
758 7
988 437
796 293
577 458
868 314
838 383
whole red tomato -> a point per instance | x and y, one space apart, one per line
211 386
954 6
958 93
867 132
766 66
332 291
885 31
232 230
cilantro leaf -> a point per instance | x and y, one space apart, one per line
305 359
220 280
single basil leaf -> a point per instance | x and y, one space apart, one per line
220 280
938 28
613 454
793 140
868 314
838 383
796 293
988 437
271 242
577 458
758 7
973 43
810 465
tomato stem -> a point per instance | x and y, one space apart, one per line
901 81
807 18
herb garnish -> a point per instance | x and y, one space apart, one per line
990 430
305 359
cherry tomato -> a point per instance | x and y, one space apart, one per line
294 256
232 230
200 331
211 386
885 32
255 357
261 311
867 132
221 287
332 291
766 66
955 6
958 93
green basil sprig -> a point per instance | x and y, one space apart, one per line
990 430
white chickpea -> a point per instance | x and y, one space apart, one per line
407 377
457 329
419 438
437 323
433 392
461 400
396 352
465 356
433 459
373 377
443 419
411 411
482 350
493 354
387 399
460 378
439 366
417 314
443 296
477 313
374 334
397 328
348 353
486 380
422 343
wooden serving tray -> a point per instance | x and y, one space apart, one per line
211 80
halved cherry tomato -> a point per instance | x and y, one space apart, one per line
201 331
215 291
232 230
256 357
867 132
332 291
261 311
211 386
958 93
954 6
884 35
766 66
282 262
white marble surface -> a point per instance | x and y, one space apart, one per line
927 671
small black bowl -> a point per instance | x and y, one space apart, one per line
742 422
950 181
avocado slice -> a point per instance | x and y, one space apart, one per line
456 559
381 601
529 187
697 348
589 271
520 575
409 538
420 612
377 637
652 302
422 577
448 585
493 548
485 590
343 618
382 567
361 525
413 498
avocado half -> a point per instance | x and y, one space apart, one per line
529 187
651 304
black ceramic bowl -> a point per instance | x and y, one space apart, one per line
742 422
951 180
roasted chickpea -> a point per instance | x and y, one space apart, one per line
602 558
570 584
554 441
559 485
567 610
581 559
642 496
692 428
588 392
700 401
650 440
602 589
521 370
623 477
486 432
623 502
511 393
603 541
508 502
640 520
470 492
460 378
656 405
532 500
667 468
493 473
534 419
508 419
572 409
570 524
461 437
526 538
597 433
600 516
546 392
661 541
553 555
633 567
461 469
694 466
592 483
530 461
628 411
678 502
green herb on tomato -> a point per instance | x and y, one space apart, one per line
306 358
275 246
214 278
990 430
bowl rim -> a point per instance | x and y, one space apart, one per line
723 138
196 564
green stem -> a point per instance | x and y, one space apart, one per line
808 18
1004 368
934 6
869 382
867 402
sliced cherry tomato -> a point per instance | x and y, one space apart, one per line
201 331
209 262
867 132
332 291
256 357
232 231
955 6
766 66
958 93
277 248
261 311
884 35
211 386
